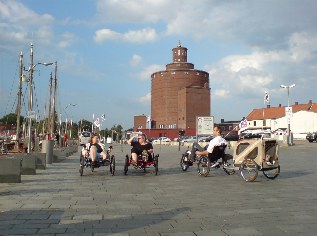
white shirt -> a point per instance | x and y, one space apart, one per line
216 141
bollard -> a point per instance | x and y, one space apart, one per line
47 147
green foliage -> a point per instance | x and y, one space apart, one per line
11 119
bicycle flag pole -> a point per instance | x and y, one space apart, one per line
266 100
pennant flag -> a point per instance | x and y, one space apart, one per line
97 123
266 97
243 124
103 117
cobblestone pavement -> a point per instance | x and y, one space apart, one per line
58 201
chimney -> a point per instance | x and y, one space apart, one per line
279 105
296 103
268 106
310 101
222 121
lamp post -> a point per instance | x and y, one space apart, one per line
30 100
289 140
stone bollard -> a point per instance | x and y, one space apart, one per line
47 147
10 170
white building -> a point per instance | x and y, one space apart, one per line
302 121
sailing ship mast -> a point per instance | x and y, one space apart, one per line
19 100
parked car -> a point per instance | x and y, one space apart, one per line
205 139
189 139
311 137
161 140
152 139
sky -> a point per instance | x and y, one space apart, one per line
106 51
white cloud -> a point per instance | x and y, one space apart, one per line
20 24
20 16
145 99
136 11
221 93
146 73
66 40
241 75
135 60
105 34
132 36
141 36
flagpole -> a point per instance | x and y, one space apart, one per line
263 115
92 123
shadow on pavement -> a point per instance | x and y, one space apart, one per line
57 221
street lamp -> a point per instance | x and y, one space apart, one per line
30 101
289 138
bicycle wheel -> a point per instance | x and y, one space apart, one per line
156 164
184 162
82 165
272 173
112 165
249 170
228 167
126 164
203 166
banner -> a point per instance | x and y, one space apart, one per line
266 97
103 117
243 124
97 123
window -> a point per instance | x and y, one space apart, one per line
161 126
254 123
140 127
230 127
264 122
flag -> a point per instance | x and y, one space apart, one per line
97 123
103 117
148 120
266 97
243 124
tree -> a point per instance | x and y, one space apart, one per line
85 125
11 119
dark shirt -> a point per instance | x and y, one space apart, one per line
99 148
138 148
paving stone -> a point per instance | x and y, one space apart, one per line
58 201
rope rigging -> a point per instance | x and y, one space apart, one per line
14 80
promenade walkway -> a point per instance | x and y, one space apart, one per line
57 201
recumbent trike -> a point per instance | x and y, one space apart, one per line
86 161
204 164
144 161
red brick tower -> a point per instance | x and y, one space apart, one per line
179 94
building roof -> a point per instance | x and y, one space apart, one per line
279 112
